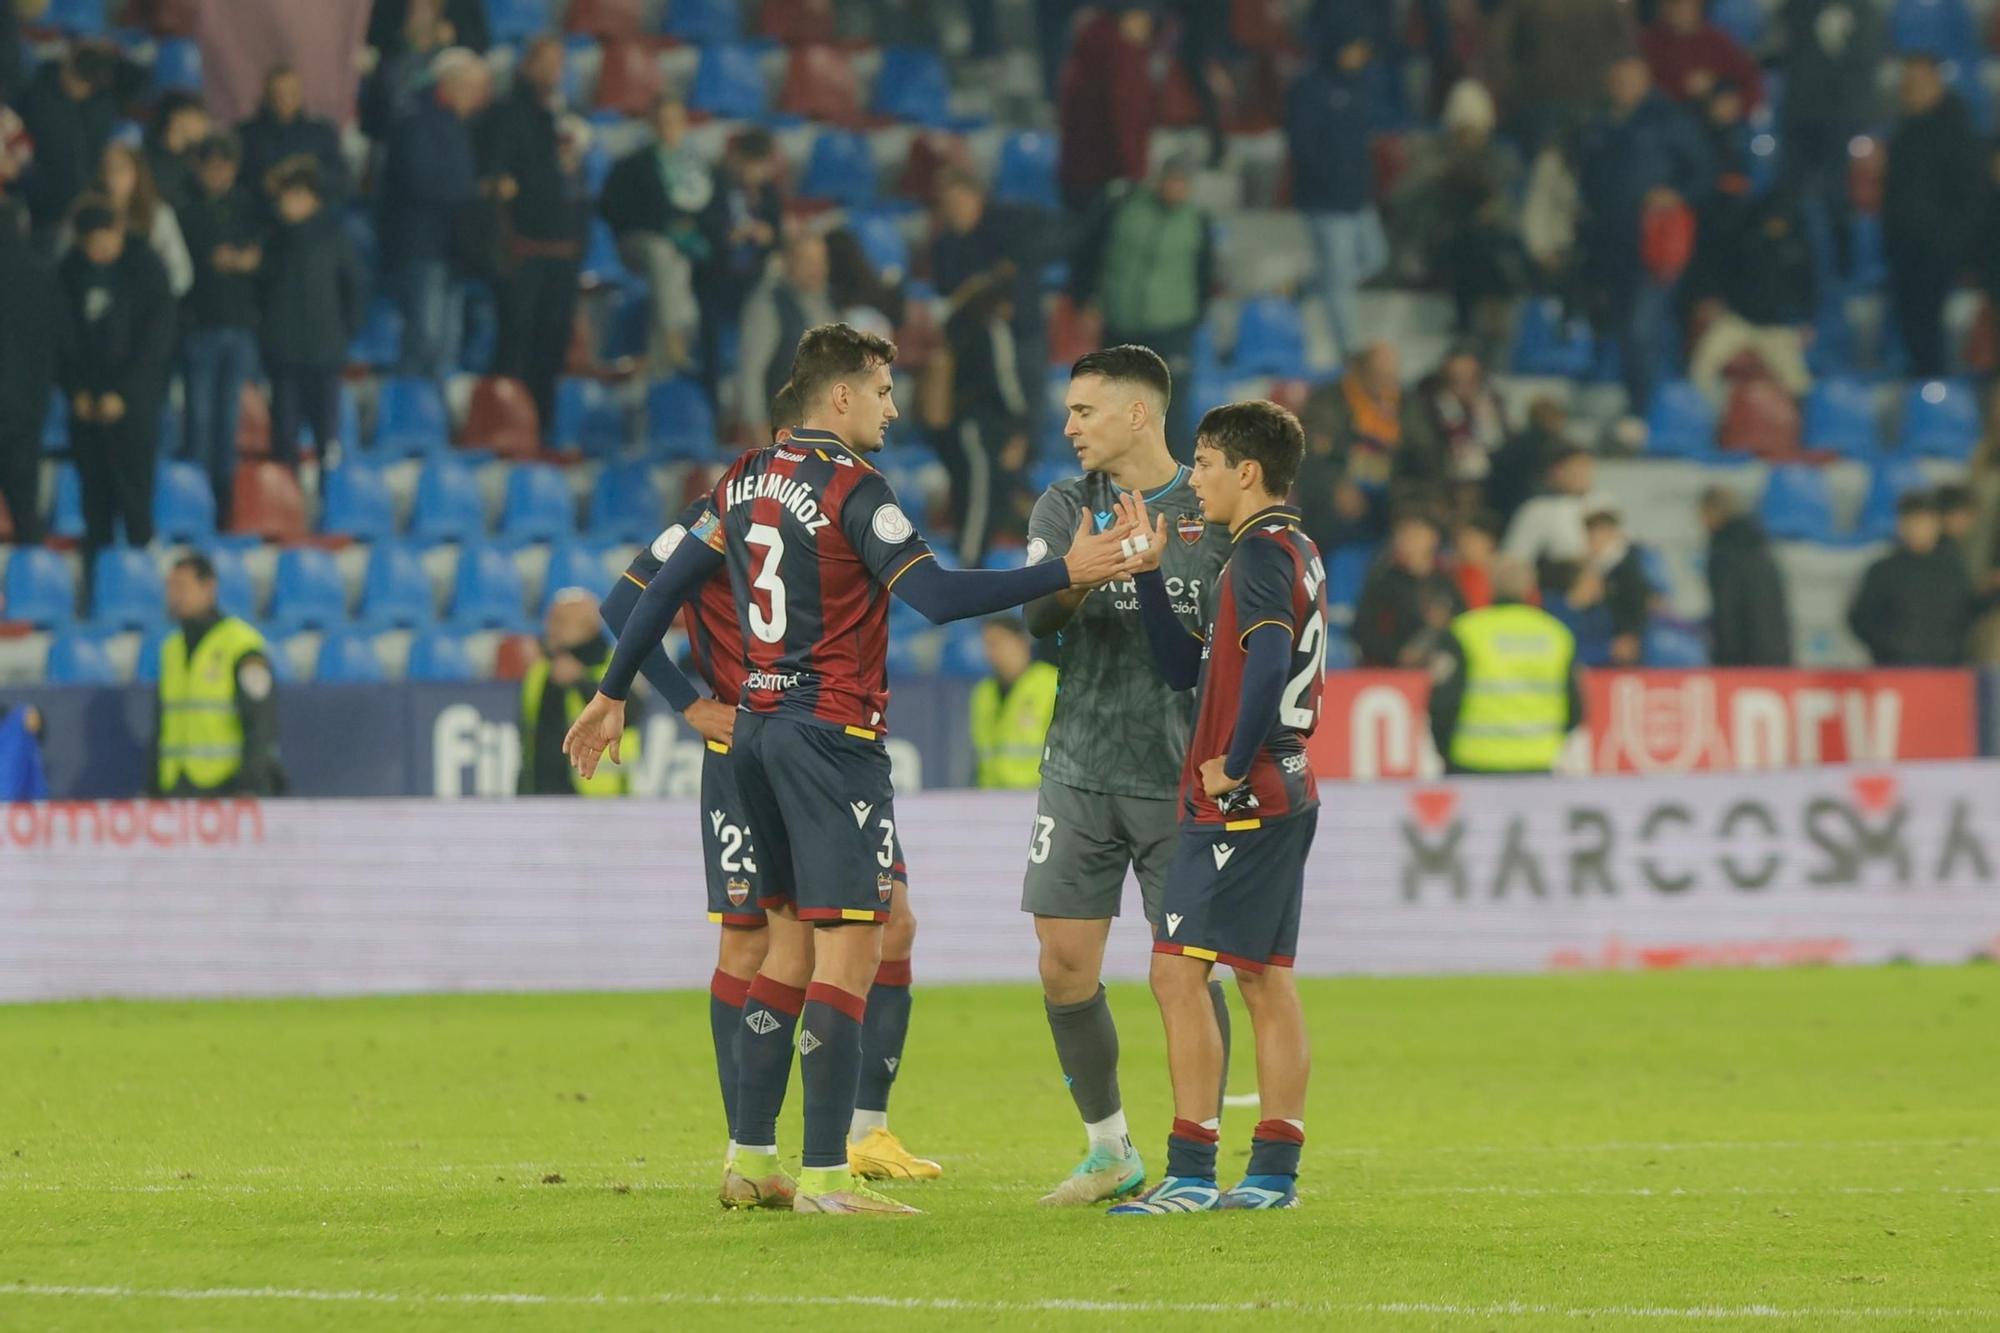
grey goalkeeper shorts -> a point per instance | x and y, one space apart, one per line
1082 843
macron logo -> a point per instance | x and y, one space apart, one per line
1223 852
861 811
1173 922
892 1061
716 818
762 1022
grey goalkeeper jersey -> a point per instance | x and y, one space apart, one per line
1118 728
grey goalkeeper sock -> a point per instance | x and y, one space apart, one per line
1087 1047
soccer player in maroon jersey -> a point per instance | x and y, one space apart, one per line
814 541
1248 804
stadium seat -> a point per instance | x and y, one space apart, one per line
235 590
573 566
1741 19
501 418
1942 28
539 505
55 424
704 22
1027 171
601 265
1547 343
348 658
796 22
728 83
1346 570
357 502
269 503
839 170
79 659
307 592
439 657
1673 646
396 590
1941 420
512 21
1798 505
680 424
449 506
1680 423
126 589
588 418
380 343
487 593
515 654
183 503
1760 421
67 519
1840 416
912 87
38 589
883 243
630 80
177 66
482 329
1889 480
625 504
821 85
606 19
1270 339
410 418
77 18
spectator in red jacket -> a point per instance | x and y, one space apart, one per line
1104 103
1689 56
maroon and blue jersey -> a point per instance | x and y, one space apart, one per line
1274 577
814 539
715 636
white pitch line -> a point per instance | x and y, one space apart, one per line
947 1304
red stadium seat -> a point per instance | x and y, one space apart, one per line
1867 165
821 85
270 503
1262 25
253 423
931 153
1761 419
515 654
607 20
630 80
1180 108
1982 342
502 418
920 336
6 526
1389 153
797 22
701 480
1072 332
1290 394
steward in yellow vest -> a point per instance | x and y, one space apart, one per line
1504 689
217 732
1011 709
552 694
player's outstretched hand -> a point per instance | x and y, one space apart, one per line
1216 782
1098 557
715 721
1149 539
598 728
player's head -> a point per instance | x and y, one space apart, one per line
1246 456
191 588
1117 402
785 416
842 379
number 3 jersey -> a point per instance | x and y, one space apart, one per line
1274 577
814 539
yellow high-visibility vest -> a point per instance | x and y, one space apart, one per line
1515 713
201 733
611 779
1009 731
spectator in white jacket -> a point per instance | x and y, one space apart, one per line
1548 531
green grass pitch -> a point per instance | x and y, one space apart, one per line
1798 1149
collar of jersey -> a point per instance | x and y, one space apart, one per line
827 443
1180 475
1284 514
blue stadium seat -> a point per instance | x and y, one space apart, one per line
183 503
1270 339
396 591
235 590
410 418
704 22
358 502
77 18
912 87
628 327
596 168
883 242
487 593
1340 653
1546 343
1840 416
680 424
359 225
601 265
589 417
380 343
1346 570
1798 505
626 505
449 505
1941 420
1027 171
1741 19
55 424
482 329
1673 646
1943 28
1871 265
1889 480
840 169
126 589
308 592
177 65
1680 423
348 658
67 521
539 505
38 590
439 657
728 83
964 651
79 659
573 566
512 21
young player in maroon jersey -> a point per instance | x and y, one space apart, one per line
814 541
1248 805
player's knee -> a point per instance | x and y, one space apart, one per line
1067 976
1176 978
743 950
899 933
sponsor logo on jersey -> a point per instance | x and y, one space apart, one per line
1293 763
885 884
793 455
771 680
1190 528
892 525
739 891
664 545
1223 851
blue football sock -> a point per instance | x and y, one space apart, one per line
883 1032
830 1069
764 1059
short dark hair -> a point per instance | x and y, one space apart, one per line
94 213
1916 502
753 145
197 564
1414 513
1008 621
785 414
171 104
1486 521
93 63
1602 518
1954 495
300 171
1129 362
831 353
1259 431
1569 453
220 145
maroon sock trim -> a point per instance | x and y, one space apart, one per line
776 995
1278 1131
730 990
854 1006
1193 1131
895 973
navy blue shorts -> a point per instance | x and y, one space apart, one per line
728 853
824 815
1233 895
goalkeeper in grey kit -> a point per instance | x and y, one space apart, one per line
1111 769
